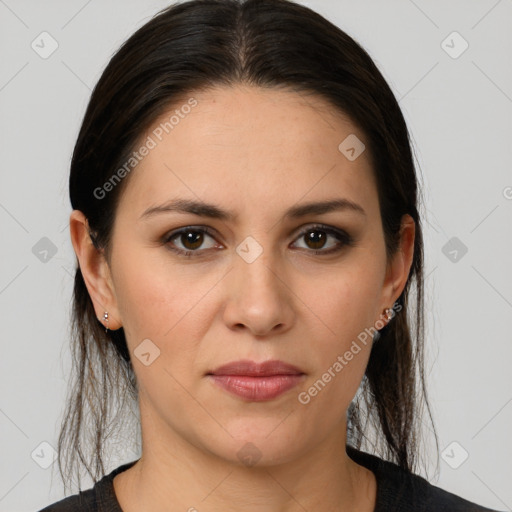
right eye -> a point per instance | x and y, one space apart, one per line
191 239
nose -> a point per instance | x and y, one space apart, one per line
258 297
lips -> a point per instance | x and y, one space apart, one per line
257 382
254 369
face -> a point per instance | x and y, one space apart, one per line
254 277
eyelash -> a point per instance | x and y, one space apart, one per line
342 236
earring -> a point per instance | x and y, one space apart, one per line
389 314
105 318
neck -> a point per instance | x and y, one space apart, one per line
173 472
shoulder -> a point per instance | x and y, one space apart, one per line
99 498
400 491
85 501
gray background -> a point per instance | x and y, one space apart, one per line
459 111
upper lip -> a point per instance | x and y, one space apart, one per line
254 369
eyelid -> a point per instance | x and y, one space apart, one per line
200 229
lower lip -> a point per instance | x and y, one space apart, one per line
257 389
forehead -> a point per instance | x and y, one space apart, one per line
246 144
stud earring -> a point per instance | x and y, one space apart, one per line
388 314
105 318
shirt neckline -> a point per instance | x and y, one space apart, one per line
384 472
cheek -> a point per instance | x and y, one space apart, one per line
345 308
167 307
347 301
161 301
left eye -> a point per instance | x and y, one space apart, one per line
316 237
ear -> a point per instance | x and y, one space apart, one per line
95 271
399 267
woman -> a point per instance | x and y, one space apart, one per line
245 219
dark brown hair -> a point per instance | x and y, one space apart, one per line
199 44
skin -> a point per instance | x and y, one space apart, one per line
257 152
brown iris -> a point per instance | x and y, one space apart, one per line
195 238
317 238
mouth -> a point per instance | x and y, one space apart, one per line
257 382
253 369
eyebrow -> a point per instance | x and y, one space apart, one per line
212 211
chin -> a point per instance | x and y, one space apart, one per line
253 443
